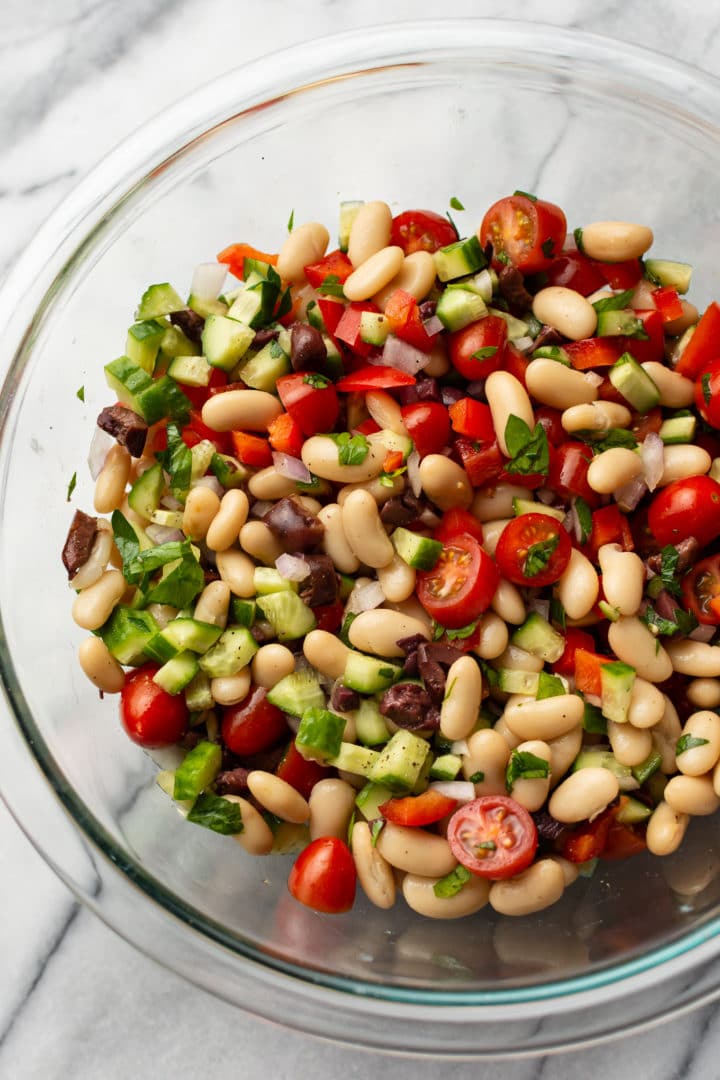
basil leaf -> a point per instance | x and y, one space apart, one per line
688 742
539 556
127 543
145 562
706 391
181 585
318 382
525 194
584 514
71 486
347 622
528 449
462 633
614 303
526 766
452 883
177 462
214 812
455 204
613 437
477 777
352 449
489 673
291 221
331 286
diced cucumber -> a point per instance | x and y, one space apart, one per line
655 786
552 352
233 651
445 767
632 812
370 798
400 764
348 213
458 259
289 617
374 327
254 269
319 736
634 383
175 343
190 370
598 757
205 307
175 675
225 341
617 680
127 632
242 612
393 442
183 634
266 580
368 675
314 316
678 429
228 471
158 300
538 637
370 724
527 506
145 494
648 767
197 770
593 720
202 454
516 328
415 550
296 692
514 681
143 343
675 275
169 519
152 399
457 308
354 759
624 322
198 695
262 371
254 305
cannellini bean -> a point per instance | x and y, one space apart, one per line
238 571
647 704
630 745
665 735
632 642
695 658
689 317
461 703
93 606
378 631
676 392
100 666
231 689
666 829
419 893
412 607
509 736
320 455
682 461
271 663
493 636
256 837
415 850
381 493
326 652
374 872
612 469
260 542
545 719
369 232
112 480
559 386
311 505
704 693
364 531
416 277
563 751
488 753
578 586
536 888
569 869
583 795
616 241
374 273
492 531
385 411
623 578
270 484
595 416
497 501
225 527
213 604
532 793
277 796
201 507
397 580
334 541
567 311
507 397
306 244
331 803
517 659
693 795
508 603
445 482
241 410
700 759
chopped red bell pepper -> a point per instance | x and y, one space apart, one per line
481 463
417 810
310 399
609 526
335 265
374 377
472 419
589 840
285 435
403 314
574 639
251 450
234 257
593 352
703 345
348 328
368 427
668 303
587 671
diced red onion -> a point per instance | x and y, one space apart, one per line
542 607
169 502
159 534
413 473
462 790
292 567
291 467
652 454
593 378
628 496
100 445
524 343
571 523
703 632
433 325
210 482
401 356
460 747
260 508
208 280
365 598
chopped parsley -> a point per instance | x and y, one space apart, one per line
452 883
503 257
387 479
539 555
291 221
669 559
688 742
71 486
485 353
525 766
318 382
80 394
683 622
352 449
528 450
477 777
455 204
610 439
438 630
176 460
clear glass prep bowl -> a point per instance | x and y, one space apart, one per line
414 115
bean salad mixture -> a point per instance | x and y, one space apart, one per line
411 550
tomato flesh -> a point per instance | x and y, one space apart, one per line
428 426
519 542
478 349
421 230
461 585
313 408
150 715
686 508
457 521
493 837
528 232
707 393
253 725
701 590
323 876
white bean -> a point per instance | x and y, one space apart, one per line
676 392
379 630
225 527
616 241
416 277
704 693
231 689
419 893
492 531
256 836
689 317
578 586
306 244
612 469
694 795
278 796
369 232
237 570
461 703
334 541
445 482
595 416
320 455
260 542
632 642
380 492
647 704
683 461
331 803
507 397
532 793
563 752
374 872
201 507
493 636
385 411
241 410
397 580
488 753
374 273
508 603
213 604
558 386
536 888
326 652
630 745
517 659
415 850
93 606
269 484
112 480
696 658
700 759
623 578
100 666
665 735
545 719
567 311
583 795
364 531
497 501
271 663
666 829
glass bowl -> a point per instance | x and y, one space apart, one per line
413 115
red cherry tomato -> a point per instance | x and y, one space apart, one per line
707 392
701 590
686 508
374 377
421 230
150 715
644 425
620 275
301 773
493 837
457 521
198 395
414 810
573 270
478 349
533 550
311 401
329 617
428 425
253 725
702 348
461 585
323 876
550 419
568 472
472 419
528 232
516 363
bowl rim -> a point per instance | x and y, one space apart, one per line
49 258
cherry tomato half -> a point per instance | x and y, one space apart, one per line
493 837
478 349
529 232
323 876
456 521
421 230
311 401
428 426
253 724
568 472
701 590
573 270
707 393
686 508
414 810
461 585
150 715
533 550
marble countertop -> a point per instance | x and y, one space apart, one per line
76 1002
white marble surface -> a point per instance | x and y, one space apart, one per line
75 77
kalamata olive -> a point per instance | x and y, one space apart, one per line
294 526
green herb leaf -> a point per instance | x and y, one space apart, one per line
127 543
153 558
526 766
528 449
71 486
176 460
489 673
684 622
376 827
80 394
452 883
462 633
284 306
549 686
688 742
181 585
352 449
593 719
539 556
614 303
548 248
578 235
611 438
455 204
706 391
584 514
291 221
318 382
331 286
525 194
504 258
669 559
387 479
351 826
347 622
557 613
214 812
477 777
486 353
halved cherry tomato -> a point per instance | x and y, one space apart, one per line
347 330
461 585
323 876
310 400
478 349
457 521
528 232
403 314
374 377
301 773
423 809
686 508
573 270
421 230
150 715
428 426
253 724
668 303
701 590
587 671
251 450
481 463
702 348
473 419
235 255
707 392
574 639
609 526
493 837
334 265
589 840
285 435
533 542
568 472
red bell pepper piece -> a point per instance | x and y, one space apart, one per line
668 303
234 258
348 328
593 352
417 810
609 526
374 377
589 840
403 314
587 671
472 419
620 275
285 435
574 639
251 450
334 265
703 345
482 464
